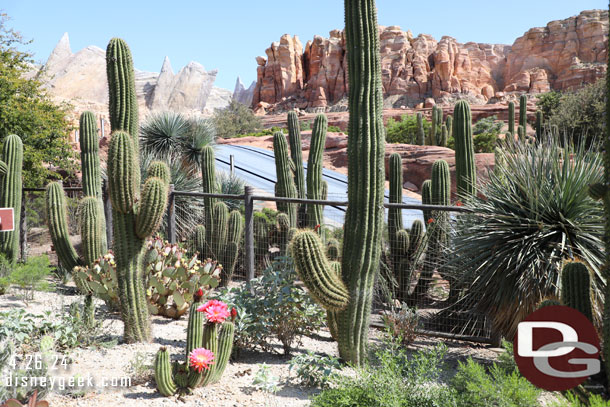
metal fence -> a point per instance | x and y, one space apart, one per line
426 287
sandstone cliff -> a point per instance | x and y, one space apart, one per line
565 54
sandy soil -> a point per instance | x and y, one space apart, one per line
235 388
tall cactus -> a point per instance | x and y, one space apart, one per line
296 154
521 133
442 141
351 294
432 133
449 124
284 187
395 176
137 212
511 117
576 288
11 184
465 169
439 123
523 111
426 199
208 180
539 120
421 134
315 213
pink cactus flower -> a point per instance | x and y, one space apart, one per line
200 359
215 311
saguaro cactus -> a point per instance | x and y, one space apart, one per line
442 141
449 124
539 120
421 134
136 214
315 213
523 111
284 187
576 288
511 118
294 138
465 170
351 294
11 183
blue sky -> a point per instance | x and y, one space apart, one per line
228 35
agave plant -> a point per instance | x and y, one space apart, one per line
533 213
230 184
170 134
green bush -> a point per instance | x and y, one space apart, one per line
581 114
314 370
336 129
572 400
273 307
235 119
484 135
31 276
548 103
396 380
404 131
262 133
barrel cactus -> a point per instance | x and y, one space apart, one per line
209 342
351 293
11 184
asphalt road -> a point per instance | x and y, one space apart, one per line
256 167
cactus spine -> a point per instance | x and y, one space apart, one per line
421 134
11 184
284 186
576 288
465 169
132 223
352 293
315 213
511 117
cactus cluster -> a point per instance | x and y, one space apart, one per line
172 278
11 183
209 342
349 294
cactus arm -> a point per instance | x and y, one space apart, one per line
294 138
58 226
315 213
121 169
152 207
426 198
314 269
91 229
224 349
163 373
158 169
284 186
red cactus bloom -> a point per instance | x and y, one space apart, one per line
431 220
316 228
459 203
200 359
199 293
233 314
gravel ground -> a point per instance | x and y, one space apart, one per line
111 366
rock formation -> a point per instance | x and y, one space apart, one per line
243 95
80 78
563 55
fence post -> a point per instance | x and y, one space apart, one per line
23 240
249 238
171 216
232 164
107 212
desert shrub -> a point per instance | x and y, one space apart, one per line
404 131
314 370
140 368
272 307
571 400
235 119
532 213
396 380
230 184
401 323
31 276
335 129
478 387
581 114
304 125
484 135
262 133
548 103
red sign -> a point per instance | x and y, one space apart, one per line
556 348
7 220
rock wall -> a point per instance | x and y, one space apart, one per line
565 54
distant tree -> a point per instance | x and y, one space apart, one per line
234 120
27 111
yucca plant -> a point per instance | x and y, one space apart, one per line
532 213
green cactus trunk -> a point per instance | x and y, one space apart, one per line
576 288
58 226
465 169
432 133
439 123
444 136
426 199
449 125
395 176
315 213
132 223
11 185
539 120
511 117
284 186
421 134
523 111
366 178
208 178
296 154
521 133
163 374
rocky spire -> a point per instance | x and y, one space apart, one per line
60 52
